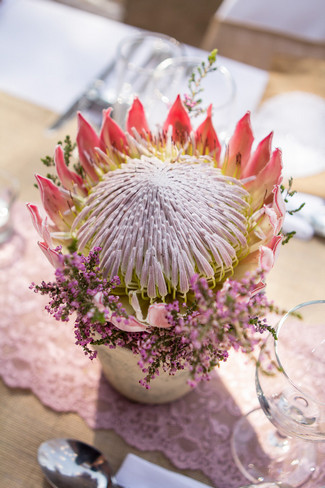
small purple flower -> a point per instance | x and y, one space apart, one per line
199 336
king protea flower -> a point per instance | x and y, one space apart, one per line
165 207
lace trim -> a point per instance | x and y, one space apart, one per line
39 353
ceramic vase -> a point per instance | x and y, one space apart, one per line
120 367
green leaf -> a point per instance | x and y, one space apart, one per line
213 56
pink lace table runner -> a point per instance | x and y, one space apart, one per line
39 353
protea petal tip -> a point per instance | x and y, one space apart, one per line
179 120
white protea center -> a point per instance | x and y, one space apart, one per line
160 222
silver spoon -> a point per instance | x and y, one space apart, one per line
68 463
267 484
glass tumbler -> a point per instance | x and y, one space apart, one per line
137 59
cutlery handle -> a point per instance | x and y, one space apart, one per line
76 105
85 99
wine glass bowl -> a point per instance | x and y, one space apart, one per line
291 372
138 56
217 87
269 444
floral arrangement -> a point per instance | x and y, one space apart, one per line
160 241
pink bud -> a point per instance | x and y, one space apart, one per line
259 158
111 135
128 325
239 147
269 253
36 217
68 178
40 224
51 254
157 316
179 119
261 187
87 141
56 204
206 136
136 119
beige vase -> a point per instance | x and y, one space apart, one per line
123 373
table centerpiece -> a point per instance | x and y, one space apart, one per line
161 241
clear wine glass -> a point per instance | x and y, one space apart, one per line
218 87
138 56
277 442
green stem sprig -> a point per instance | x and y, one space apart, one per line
287 194
68 148
192 100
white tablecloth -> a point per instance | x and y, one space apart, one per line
50 52
297 18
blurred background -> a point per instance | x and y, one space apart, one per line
250 31
186 20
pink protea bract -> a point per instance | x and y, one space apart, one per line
165 206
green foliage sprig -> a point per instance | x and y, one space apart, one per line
192 100
287 194
68 148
